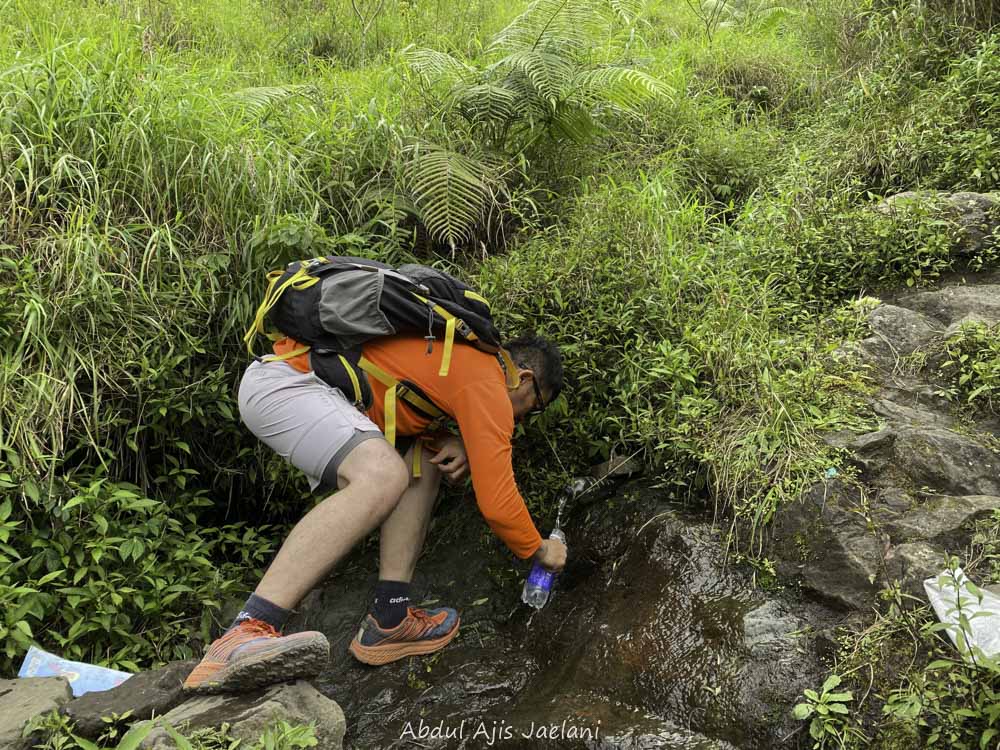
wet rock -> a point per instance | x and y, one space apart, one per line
946 461
769 627
145 694
668 737
249 714
824 541
911 563
945 520
23 699
897 332
889 407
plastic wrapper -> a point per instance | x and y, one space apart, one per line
983 615
83 678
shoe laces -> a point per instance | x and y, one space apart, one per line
425 619
254 626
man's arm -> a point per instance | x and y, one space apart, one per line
486 421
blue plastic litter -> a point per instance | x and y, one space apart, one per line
83 678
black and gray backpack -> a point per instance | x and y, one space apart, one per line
334 304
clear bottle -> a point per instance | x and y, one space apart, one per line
538 586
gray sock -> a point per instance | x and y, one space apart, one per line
259 608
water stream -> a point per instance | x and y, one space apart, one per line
651 641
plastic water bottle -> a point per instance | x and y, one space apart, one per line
538 586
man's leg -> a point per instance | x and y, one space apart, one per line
395 629
402 535
252 653
373 481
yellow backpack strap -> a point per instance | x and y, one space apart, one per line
449 342
299 280
390 415
418 452
389 402
287 355
450 323
509 368
353 376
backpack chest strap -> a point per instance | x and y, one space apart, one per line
395 389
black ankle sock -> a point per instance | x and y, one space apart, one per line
391 600
259 608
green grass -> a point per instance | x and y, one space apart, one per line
697 252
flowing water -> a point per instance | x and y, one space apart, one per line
651 641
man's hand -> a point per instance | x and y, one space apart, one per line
451 459
552 555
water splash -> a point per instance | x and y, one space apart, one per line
572 491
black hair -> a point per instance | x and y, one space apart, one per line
542 357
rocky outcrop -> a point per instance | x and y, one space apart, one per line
145 695
653 641
923 477
249 714
21 700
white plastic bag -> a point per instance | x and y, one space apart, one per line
946 592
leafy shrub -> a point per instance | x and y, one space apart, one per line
57 733
670 352
972 366
828 247
100 573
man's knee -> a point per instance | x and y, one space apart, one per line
377 466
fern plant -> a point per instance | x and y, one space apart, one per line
551 75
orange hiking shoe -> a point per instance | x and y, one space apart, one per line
421 632
254 654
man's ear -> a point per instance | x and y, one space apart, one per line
525 375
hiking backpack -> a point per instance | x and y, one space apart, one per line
334 304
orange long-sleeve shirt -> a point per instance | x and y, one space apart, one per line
474 394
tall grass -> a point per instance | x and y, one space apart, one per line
693 255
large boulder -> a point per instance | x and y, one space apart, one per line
897 332
22 700
824 541
947 462
953 303
249 714
145 695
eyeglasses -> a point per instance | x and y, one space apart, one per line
538 395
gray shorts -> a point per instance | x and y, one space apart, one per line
304 420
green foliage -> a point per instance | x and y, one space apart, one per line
671 353
829 247
101 573
972 366
955 702
688 217
549 77
826 711
922 690
57 732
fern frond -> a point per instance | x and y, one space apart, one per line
548 72
575 122
626 10
255 101
451 191
572 23
487 103
437 66
625 88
